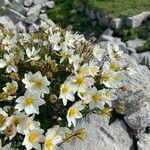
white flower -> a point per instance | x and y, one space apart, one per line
6 147
13 123
108 95
35 82
98 52
33 138
82 70
67 92
52 138
11 89
3 118
112 79
94 97
32 54
74 113
93 68
81 82
30 102
9 62
114 52
28 124
8 43
75 60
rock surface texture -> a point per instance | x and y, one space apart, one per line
100 135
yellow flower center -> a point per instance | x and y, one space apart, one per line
64 89
29 101
16 121
105 77
80 81
11 89
96 97
32 137
72 112
63 54
80 71
107 94
38 84
49 144
105 112
116 77
114 67
2 120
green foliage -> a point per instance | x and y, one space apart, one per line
144 48
129 34
119 8
3 11
64 14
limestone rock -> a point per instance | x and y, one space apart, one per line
28 3
145 59
144 142
19 26
50 4
116 23
36 2
135 43
6 22
108 31
136 21
17 5
100 135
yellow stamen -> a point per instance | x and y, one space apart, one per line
49 144
80 80
64 89
72 112
2 120
96 97
32 137
38 84
29 101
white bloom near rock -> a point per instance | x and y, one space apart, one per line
144 142
136 21
100 135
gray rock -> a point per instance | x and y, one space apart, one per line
135 43
17 5
33 14
36 2
31 19
50 4
110 38
136 21
103 21
35 10
139 117
44 18
145 59
90 13
20 27
32 29
108 31
6 22
135 56
100 135
144 142
116 23
2 2
137 98
28 3
80 7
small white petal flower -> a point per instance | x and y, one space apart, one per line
52 138
74 113
33 138
30 102
36 82
3 118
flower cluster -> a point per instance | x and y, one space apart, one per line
50 79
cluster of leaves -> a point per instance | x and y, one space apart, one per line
144 48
